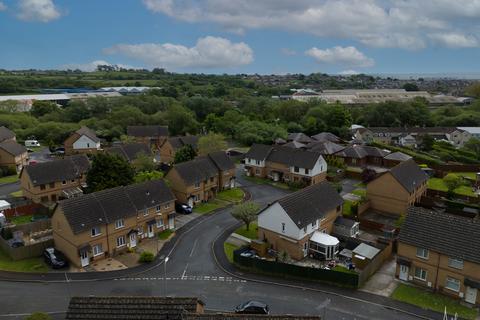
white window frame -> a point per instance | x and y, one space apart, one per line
422 271
122 243
422 253
158 208
455 263
450 280
100 252
145 212
120 223
160 223
97 233
197 185
283 227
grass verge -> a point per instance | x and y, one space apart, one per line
232 195
164 235
229 248
9 179
432 301
251 233
267 181
18 193
25 265
210 206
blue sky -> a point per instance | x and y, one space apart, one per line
244 36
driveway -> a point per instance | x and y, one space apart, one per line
383 282
7 188
348 185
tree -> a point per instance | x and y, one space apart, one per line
39 316
427 142
180 120
108 171
185 153
246 212
212 142
148 176
473 145
452 181
143 162
40 108
410 86
473 90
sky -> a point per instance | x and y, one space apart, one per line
244 36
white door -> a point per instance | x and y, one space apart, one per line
403 275
171 221
150 231
232 183
133 240
84 260
190 202
471 295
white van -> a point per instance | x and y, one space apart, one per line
32 143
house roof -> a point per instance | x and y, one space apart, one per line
294 157
6 134
196 170
130 151
178 142
326 136
360 152
12 147
137 308
238 316
311 203
325 147
398 156
258 151
448 234
58 170
221 160
84 131
299 137
295 145
409 175
106 206
147 131
366 251
417 130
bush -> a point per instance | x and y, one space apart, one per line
146 256
6 233
7 171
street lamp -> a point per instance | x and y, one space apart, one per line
165 275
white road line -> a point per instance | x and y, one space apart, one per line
193 248
185 271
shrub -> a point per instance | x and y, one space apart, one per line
6 233
146 256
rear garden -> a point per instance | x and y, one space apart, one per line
461 183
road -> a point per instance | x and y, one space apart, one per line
192 271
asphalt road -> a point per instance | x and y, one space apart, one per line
7 188
191 271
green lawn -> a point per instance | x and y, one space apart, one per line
432 301
360 185
465 191
209 206
164 235
232 195
468 175
18 193
26 265
347 208
22 219
360 192
251 233
229 248
268 181
439 185
9 179
343 269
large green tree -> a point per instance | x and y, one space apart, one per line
211 142
108 171
185 153
246 212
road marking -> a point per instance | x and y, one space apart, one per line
193 248
185 271
186 278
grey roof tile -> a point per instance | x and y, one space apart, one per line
12 147
409 175
6 134
196 170
58 170
221 160
130 151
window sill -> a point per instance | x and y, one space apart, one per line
123 245
419 279
99 234
453 290
98 254
423 258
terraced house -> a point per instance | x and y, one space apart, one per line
200 179
48 182
171 146
440 251
281 163
102 224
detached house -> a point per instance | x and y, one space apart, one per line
131 151
84 140
171 145
286 164
13 155
441 251
300 223
396 190
200 179
48 182
102 224
154 136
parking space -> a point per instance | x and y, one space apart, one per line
183 219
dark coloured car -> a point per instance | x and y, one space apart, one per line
183 208
252 307
55 258
17 243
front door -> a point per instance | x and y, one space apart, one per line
171 221
84 260
403 275
190 202
471 295
232 183
150 231
133 240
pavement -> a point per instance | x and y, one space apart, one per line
383 282
197 266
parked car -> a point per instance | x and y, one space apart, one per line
17 243
55 258
252 307
32 162
183 208
32 143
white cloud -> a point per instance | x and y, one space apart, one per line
379 23
349 72
345 56
38 10
208 52
92 66
455 40
3 6
288 52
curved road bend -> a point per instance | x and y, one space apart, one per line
192 271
